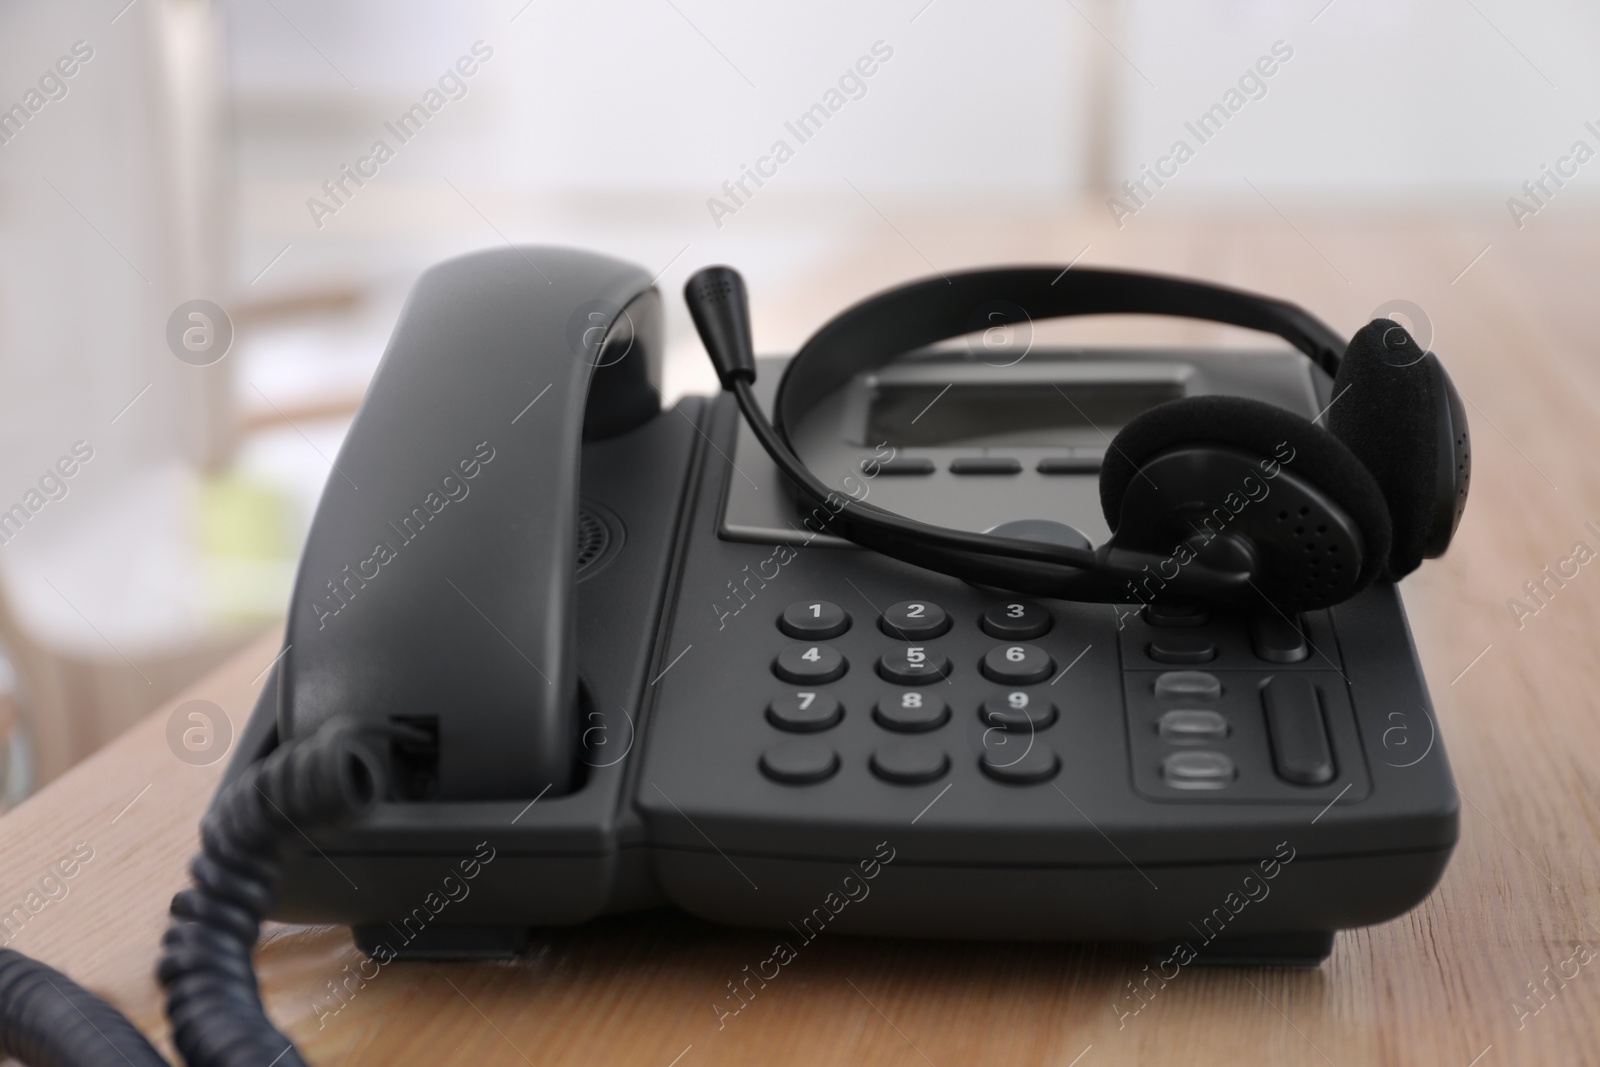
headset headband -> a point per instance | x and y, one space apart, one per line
874 332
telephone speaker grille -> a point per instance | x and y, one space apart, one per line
599 538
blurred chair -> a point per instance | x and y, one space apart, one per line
111 214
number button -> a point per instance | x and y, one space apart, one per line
814 620
910 762
913 665
1018 712
911 712
805 712
809 664
1018 664
1016 620
914 620
799 762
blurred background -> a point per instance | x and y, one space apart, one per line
159 152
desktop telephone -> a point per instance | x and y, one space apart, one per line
1047 643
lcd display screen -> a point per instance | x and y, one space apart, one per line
991 415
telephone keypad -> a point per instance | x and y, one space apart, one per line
1018 664
914 665
814 620
914 620
809 664
805 712
910 762
911 711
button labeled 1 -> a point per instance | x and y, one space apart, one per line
817 620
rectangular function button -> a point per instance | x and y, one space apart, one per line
1277 639
1296 729
1181 648
985 465
1069 465
897 466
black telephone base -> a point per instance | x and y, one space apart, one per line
705 704
672 808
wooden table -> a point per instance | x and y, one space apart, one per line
1447 984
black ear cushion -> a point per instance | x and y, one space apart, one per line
1260 428
1386 408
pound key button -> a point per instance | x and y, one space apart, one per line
914 620
1036 764
914 665
809 664
910 762
799 762
813 620
1017 664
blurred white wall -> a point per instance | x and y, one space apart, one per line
1397 98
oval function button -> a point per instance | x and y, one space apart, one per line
914 665
1038 764
1191 726
1016 620
910 762
815 620
1197 770
914 620
1017 712
799 762
805 712
911 712
1179 647
1188 685
1179 616
1018 664
809 664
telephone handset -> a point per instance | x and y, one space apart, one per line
437 585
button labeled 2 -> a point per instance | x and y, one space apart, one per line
914 620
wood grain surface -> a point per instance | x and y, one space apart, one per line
1501 965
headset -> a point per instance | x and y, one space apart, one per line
1367 497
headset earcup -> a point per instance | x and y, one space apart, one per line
1265 430
1394 407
